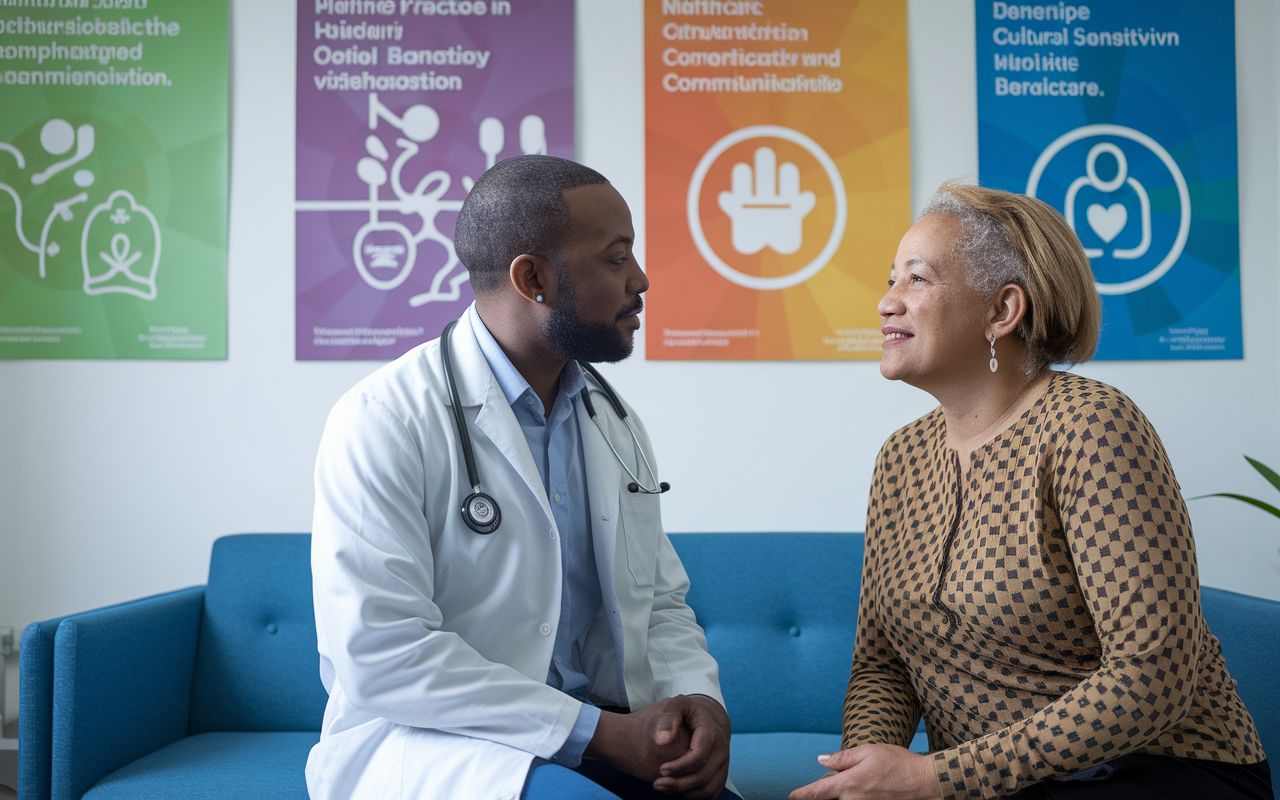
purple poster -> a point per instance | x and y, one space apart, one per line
402 104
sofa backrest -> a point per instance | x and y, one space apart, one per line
1249 629
780 611
257 667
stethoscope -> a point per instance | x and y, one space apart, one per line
479 510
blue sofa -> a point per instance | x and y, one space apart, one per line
213 692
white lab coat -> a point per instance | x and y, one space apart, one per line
435 641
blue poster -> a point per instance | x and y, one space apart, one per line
1122 115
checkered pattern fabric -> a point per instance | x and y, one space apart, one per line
1041 609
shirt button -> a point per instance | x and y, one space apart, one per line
528 401
552 533
557 497
558 659
545 630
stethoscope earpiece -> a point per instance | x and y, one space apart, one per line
634 488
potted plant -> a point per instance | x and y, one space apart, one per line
1267 472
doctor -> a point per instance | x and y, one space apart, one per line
555 656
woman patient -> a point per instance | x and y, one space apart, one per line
1030 584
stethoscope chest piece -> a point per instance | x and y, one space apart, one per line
481 513
479 510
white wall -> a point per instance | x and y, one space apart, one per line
115 477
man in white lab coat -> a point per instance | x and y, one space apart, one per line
554 657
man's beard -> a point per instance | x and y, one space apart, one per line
579 341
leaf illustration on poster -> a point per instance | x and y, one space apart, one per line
400 110
1122 116
778 175
113 181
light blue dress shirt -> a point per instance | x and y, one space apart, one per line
556 444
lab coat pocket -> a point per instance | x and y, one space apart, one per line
641 525
360 762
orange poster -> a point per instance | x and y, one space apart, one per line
777 147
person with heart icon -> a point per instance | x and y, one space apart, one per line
1109 221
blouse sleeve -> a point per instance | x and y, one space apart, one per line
1124 521
880 704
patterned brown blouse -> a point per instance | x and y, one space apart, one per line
1042 608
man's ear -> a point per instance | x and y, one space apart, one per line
1007 310
531 277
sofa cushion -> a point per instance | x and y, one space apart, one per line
779 610
767 766
257 666
216 766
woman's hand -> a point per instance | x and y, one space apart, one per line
874 772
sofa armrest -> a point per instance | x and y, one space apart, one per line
121 686
1249 630
35 709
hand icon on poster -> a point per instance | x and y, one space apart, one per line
766 207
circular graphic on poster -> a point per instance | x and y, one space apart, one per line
766 198
1104 180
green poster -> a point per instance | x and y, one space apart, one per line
113 179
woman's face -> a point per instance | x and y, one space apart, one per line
933 321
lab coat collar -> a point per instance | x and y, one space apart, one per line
475 380
477 386
514 385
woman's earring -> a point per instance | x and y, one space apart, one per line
994 363
538 298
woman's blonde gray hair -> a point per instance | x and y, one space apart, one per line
1008 238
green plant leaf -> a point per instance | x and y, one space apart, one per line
1267 472
1267 507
